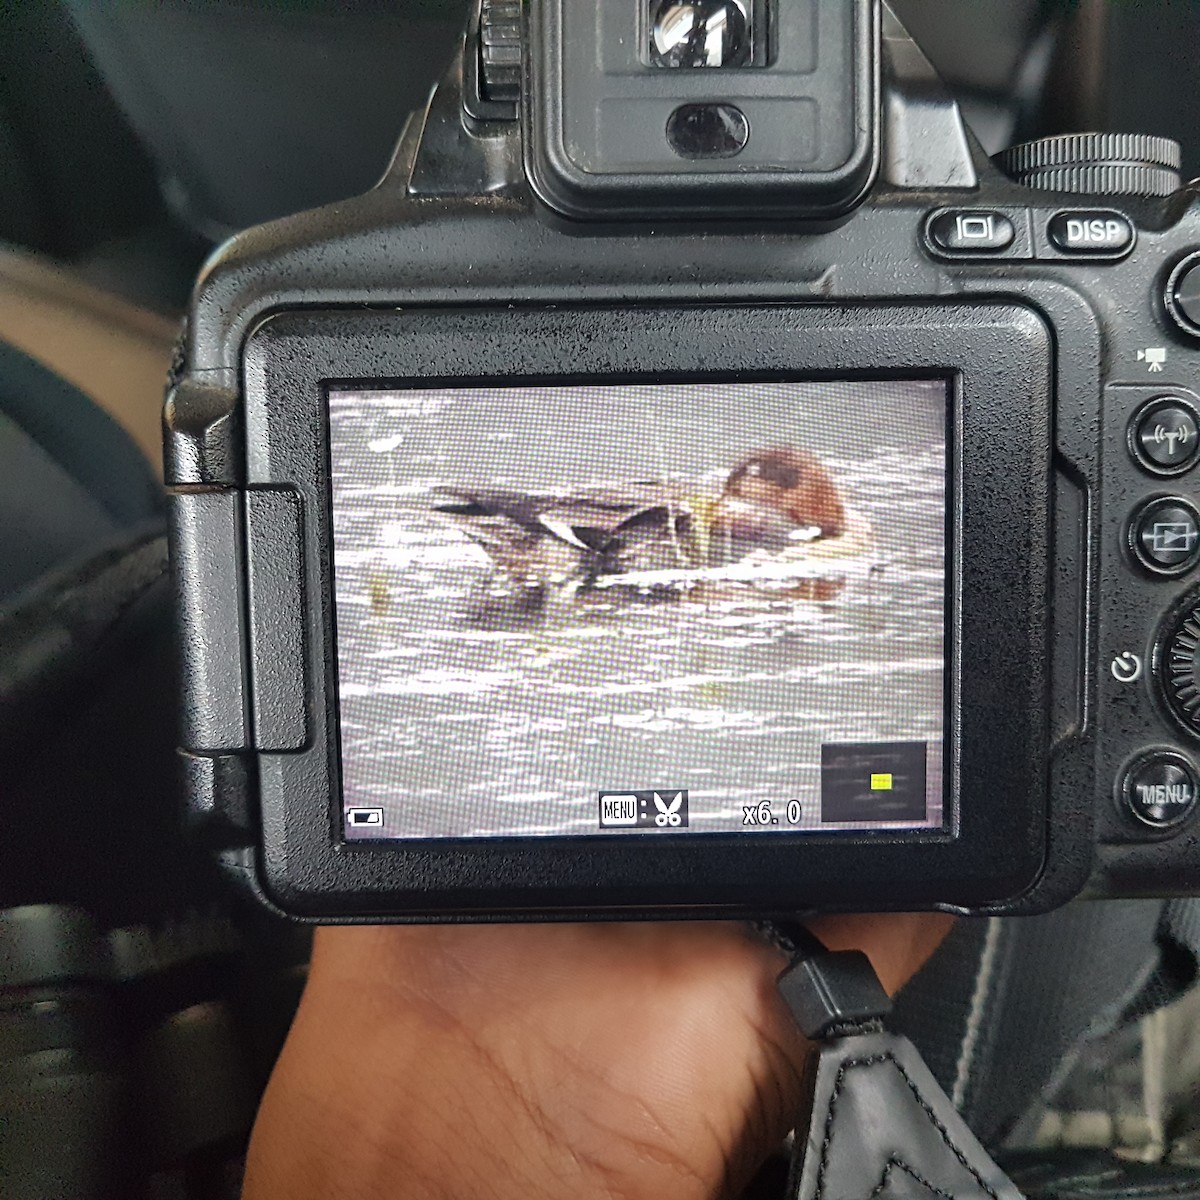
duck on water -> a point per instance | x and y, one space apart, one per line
777 524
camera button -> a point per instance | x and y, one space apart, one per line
1159 788
1164 535
1091 233
1183 294
971 231
1164 435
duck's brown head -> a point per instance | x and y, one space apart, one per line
792 481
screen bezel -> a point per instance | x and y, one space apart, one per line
997 360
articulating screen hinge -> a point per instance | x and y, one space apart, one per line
239 592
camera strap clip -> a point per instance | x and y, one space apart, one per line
875 1123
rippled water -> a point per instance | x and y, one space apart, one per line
462 717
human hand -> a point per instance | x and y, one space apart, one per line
531 1061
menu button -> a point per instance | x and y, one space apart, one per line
1098 232
1159 788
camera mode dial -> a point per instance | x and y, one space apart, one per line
1113 164
1178 663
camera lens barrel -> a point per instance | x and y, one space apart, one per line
62 1089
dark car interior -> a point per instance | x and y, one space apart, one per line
141 1009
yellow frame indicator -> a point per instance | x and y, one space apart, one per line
881 782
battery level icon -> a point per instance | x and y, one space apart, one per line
359 817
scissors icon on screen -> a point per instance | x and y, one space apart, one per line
668 814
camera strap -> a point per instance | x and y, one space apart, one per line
875 1122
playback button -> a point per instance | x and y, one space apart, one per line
1164 435
1164 535
1159 789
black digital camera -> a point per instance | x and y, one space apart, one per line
697 481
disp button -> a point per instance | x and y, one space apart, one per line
1091 232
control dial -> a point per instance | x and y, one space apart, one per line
1113 164
1178 662
500 49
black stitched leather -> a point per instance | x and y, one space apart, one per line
881 1127
879 1060
884 1184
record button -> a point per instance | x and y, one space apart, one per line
1183 294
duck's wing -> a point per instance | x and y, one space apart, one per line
489 505
590 521
596 520
507 526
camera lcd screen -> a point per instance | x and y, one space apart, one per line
634 609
